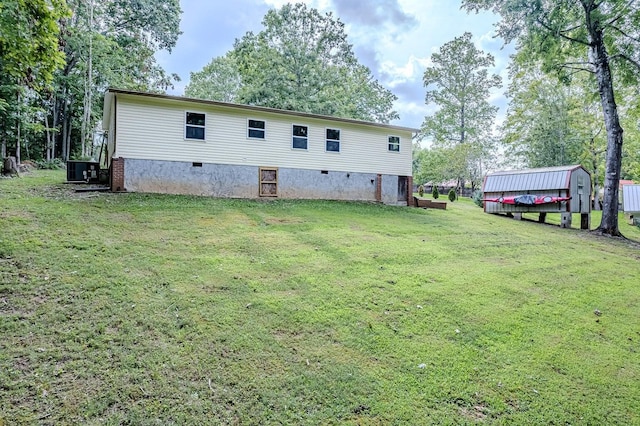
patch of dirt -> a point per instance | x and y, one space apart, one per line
476 413
282 221
64 192
21 364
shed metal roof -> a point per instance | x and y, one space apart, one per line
631 198
547 178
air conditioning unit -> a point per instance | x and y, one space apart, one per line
83 171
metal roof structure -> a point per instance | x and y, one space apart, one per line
631 198
547 178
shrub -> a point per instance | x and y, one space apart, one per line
421 190
54 164
452 195
477 198
435 194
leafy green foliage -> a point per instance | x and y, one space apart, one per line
551 123
570 36
55 164
29 56
459 84
29 53
219 80
435 193
477 198
75 50
452 195
300 61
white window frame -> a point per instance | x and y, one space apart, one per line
389 143
306 138
249 128
186 124
326 140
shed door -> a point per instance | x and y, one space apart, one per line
268 182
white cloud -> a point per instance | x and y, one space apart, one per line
410 71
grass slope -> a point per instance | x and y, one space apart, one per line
156 309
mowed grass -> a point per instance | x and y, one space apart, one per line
159 309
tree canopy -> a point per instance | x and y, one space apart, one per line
300 61
62 55
29 57
219 80
29 33
458 83
580 35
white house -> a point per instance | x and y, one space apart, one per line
169 144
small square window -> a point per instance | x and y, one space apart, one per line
300 138
256 129
394 143
195 126
333 140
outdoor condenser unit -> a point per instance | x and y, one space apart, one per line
83 171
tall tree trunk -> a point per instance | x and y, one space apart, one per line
599 57
65 129
55 117
67 141
47 150
3 143
18 128
88 89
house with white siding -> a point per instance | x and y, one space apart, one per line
169 144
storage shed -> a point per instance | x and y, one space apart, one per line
564 190
631 203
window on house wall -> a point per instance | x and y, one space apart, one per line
394 143
195 125
333 140
300 137
256 129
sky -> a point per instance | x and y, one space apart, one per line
394 38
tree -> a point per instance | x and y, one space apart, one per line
459 84
603 33
219 80
109 43
436 164
552 123
29 56
302 61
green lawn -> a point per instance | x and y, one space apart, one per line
156 309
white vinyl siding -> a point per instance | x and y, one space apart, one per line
152 128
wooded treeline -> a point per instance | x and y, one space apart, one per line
56 60
573 95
